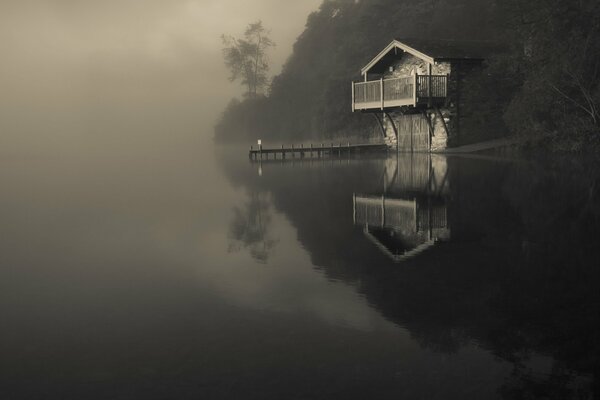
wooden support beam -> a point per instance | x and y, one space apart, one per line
412 146
431 131
352 96
394 127
380 122
437 109
429 69
381 91
415 84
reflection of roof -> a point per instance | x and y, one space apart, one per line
401 228
437 50
394 252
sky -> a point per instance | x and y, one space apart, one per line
81 70
136 80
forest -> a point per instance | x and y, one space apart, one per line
544 85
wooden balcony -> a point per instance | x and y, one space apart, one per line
397 92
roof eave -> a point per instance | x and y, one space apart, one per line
389 47
443 59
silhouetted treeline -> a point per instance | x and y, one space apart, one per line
545 85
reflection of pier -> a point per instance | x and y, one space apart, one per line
410 216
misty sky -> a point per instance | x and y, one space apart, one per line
82 69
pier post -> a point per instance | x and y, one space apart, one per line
302 150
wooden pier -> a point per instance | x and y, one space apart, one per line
315 151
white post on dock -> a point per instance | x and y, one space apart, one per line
260 147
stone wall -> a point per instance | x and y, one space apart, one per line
439 139
407 64
456 110
461 78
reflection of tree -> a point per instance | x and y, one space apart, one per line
518 278
250 226
559 384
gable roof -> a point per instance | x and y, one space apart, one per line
431 51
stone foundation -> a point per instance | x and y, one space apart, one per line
420 130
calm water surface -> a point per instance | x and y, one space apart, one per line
179 271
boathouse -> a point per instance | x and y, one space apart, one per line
418 91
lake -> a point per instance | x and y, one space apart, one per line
181 270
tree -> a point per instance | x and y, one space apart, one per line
559 60
247 58
310 98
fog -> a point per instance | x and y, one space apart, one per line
87 74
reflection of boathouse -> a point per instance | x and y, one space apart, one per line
401 228
410 216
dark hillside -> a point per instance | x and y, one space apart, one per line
310 98
535 87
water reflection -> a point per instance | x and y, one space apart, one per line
497 254
250 227
410 215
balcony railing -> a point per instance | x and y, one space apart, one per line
398 91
